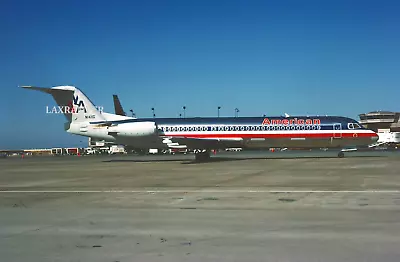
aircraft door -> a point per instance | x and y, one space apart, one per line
337 130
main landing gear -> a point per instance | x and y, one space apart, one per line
202 156
341 152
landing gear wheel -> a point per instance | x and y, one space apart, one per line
340 154
202 156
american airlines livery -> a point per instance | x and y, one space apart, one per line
205 134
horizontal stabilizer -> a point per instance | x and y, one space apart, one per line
74 104
41 89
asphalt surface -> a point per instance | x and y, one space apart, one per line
287 206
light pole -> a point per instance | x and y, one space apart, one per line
154 115
237 112
218 110
184 111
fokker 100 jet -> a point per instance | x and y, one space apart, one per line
205 134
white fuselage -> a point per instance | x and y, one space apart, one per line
150 133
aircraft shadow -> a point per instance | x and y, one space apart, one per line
227 159
223 159
143 160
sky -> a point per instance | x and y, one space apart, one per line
263 57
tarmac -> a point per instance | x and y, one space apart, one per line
238 207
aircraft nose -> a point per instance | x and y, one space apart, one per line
374 136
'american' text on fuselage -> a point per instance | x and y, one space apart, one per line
292 121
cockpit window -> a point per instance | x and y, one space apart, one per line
353 126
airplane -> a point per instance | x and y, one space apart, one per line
205 134
387 138
118 107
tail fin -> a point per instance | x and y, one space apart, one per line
74 104
118 107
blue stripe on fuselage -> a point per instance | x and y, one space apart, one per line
326 121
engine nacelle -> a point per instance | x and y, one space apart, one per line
136 129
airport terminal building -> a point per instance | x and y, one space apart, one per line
378 120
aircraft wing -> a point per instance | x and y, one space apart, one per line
211 143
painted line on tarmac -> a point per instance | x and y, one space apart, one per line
200 191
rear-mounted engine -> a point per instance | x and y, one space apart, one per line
136 129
